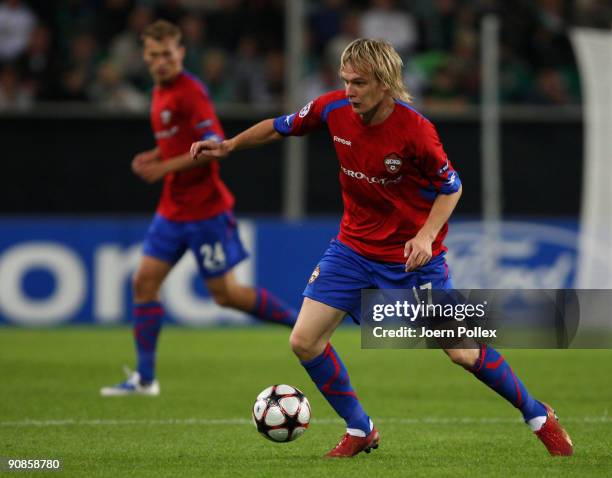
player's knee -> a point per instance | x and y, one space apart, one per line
464 357
144 288
222 297
303 347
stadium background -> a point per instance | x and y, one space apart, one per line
73 112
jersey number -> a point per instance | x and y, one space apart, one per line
213 257
427 286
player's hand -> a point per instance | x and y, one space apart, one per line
150 171
417 252
209 149
144 157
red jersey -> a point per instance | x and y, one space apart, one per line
390 173
182 113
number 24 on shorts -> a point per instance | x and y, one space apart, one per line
213 256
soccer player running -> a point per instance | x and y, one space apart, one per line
194 212
399 190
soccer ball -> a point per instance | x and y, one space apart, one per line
281 413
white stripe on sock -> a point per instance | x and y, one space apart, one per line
356 432
536 423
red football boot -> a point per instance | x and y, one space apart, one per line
555 438
351 445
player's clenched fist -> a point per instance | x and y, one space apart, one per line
417 252
143 158
209 148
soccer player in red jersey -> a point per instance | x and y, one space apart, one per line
399 190
194 212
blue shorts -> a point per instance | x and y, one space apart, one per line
214 242
342 273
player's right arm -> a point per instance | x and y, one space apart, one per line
257 135
310 117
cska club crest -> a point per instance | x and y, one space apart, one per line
166 115
314 275
393 163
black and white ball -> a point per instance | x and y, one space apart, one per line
281 413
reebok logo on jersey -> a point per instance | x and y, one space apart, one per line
343 141
372 180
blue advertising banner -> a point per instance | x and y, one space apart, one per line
517 255
78 270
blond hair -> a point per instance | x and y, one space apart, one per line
379 58
160 30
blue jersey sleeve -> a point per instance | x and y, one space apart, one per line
309 118
283 124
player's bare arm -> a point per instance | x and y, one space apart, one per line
184 162
145 157
142 161
418 249
257 135
154 169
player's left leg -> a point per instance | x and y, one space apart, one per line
486 364
259 302
490 367
217 247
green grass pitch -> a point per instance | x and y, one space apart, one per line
435 419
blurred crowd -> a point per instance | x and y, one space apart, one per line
90 51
